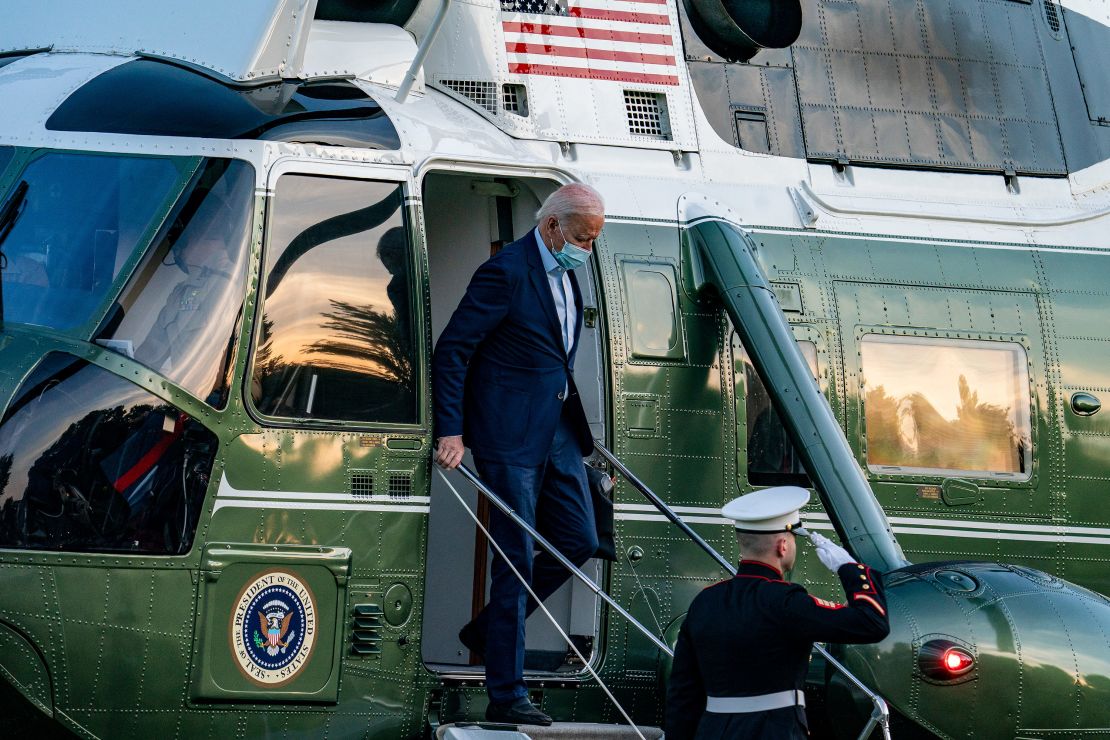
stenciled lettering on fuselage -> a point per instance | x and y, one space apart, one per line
273 628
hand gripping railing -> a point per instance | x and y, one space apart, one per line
880 713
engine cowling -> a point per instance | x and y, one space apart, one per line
987 650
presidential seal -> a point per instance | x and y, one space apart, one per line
273 628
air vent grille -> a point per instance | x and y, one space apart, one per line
400 485
1052 15
481 93
514 99
366 636
362 483
647 114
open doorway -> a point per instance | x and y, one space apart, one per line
467 218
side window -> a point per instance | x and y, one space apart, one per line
946 406
336 340
654 323
772 459
91 463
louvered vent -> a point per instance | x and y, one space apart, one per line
362 483
481 93
366 635
1052 15
647 114
514 99
400 485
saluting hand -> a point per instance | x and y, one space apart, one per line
449 451
831 555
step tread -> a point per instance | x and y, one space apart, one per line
557 731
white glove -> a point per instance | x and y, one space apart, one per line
831 555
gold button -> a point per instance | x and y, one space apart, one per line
865 587
863 578
860 567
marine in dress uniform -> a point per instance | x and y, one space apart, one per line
742 653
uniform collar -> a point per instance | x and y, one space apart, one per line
756 568
550 266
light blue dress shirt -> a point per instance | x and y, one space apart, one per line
561 292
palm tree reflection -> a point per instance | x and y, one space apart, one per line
363 339
908 431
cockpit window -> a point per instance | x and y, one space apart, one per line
74 220
92 463
6 153
179 312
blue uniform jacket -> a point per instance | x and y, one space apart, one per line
499 370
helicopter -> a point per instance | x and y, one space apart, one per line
856 246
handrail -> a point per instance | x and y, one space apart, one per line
662 506
483 528
880 714
551 549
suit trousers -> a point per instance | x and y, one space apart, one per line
553 497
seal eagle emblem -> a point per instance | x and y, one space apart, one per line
273 628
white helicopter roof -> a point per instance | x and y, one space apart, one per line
259 40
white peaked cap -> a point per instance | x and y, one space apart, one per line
775 509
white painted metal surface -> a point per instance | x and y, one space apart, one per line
478 48
247 41
574 131
375 52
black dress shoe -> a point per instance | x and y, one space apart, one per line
473 639
519 712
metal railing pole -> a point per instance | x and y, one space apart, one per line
662 506
880 715
508 511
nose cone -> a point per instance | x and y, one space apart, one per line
1039 649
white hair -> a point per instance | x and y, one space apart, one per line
576 199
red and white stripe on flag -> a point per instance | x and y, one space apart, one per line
618 40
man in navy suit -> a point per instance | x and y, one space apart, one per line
503 385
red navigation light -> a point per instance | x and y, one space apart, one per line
957 661
944 661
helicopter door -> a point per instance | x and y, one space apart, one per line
321 512
467 218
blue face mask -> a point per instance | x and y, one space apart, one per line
572 255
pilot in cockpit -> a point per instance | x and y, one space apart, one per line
203 252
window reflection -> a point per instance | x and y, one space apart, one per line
179 313
336 339
92 463
80 219
940 405
772 459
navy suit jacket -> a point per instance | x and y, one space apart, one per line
499 370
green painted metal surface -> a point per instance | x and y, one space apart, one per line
133 646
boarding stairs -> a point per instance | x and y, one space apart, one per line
880 714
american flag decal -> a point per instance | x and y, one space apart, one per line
619 40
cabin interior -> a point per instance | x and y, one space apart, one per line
468 217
